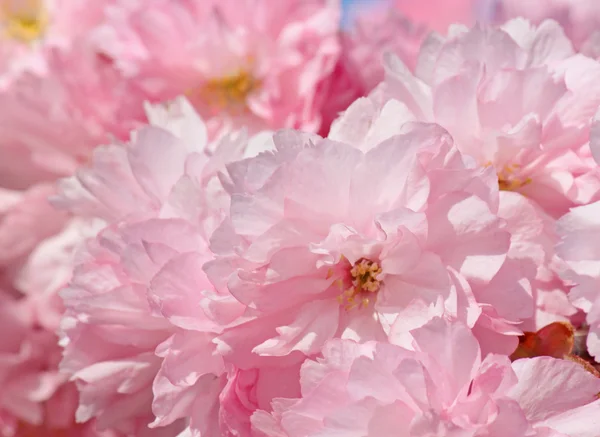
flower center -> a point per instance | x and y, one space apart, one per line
364 284
508 179
23 20
230 92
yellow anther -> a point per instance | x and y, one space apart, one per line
23 20
365 280
508 178
229 92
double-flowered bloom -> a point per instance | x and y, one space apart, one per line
440 386
266 226
219 276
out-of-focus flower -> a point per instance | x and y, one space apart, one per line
50 125
255 63
26 219
377 32
28 369
36 398
29 29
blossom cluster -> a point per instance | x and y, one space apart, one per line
253 218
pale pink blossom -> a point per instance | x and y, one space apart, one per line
28 358
514 98
530 266
140 312
325 240
143 277
165 161
255 63
110 334
579 249
579 18
192 375
444 387
483 86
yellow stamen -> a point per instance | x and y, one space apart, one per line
229 92
512 184
365 280
23 20
507 179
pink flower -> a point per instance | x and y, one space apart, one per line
36 398
138 293
441 388
489 99
326 241
36 245
49 125
110 333
32 28
52 118
255 63
578 249
192 375
579 18
513 98
152 176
